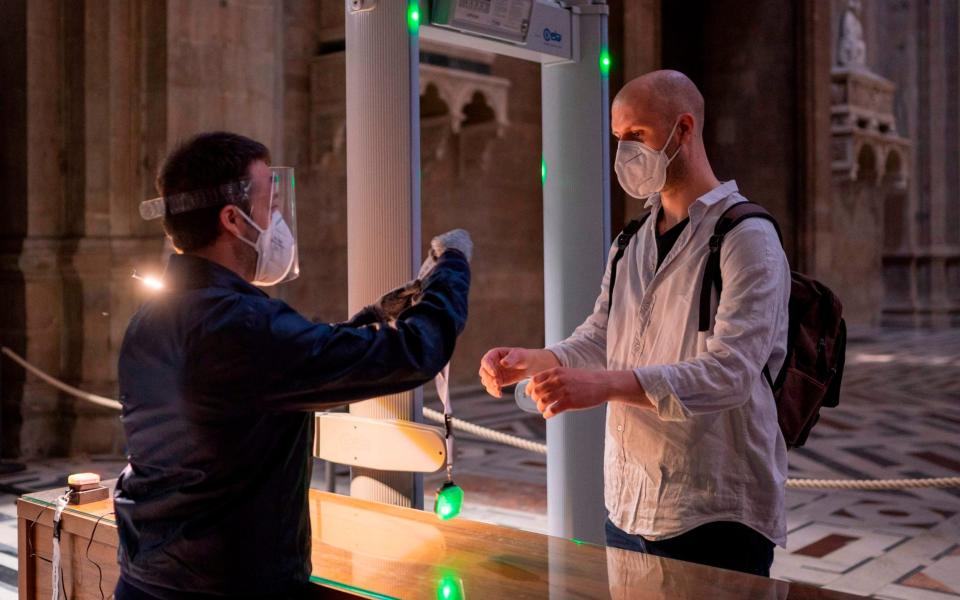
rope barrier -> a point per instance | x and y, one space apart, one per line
874 484
488 434
539 448
63 387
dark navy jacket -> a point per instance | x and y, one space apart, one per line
218 383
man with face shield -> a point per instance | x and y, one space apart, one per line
694 462
219 382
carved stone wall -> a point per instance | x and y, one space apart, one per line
870 165
843 118
908 83
100 92
74 236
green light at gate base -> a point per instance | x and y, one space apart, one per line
449 501
543 171
605 62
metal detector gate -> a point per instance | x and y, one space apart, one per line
569 40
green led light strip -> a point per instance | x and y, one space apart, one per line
350 588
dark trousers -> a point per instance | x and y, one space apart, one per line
723 544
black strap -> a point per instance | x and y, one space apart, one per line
730 218
623 240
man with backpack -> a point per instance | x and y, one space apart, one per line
695 461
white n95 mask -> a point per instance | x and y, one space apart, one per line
641 170
276 249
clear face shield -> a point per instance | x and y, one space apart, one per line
271 223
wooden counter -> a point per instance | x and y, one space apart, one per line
373 550
83 573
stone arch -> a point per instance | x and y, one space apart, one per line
432 104
435 117
867 165
897 288
461 110
477 110
475 105
895 169
479 129
470 98
894 203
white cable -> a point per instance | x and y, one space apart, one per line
539 448
59 504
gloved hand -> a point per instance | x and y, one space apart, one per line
394 302
456 239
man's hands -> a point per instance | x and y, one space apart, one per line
561 389
557 389
506 366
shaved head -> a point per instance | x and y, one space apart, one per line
663 110
662 96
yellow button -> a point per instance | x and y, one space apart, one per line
83 479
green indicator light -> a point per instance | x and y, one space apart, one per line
449 501
293 181
357 591
413 17
450 588
577 542
543 171
605 62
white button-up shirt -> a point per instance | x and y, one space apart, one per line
711 450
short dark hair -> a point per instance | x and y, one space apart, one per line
205 162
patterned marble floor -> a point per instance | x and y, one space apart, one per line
899 417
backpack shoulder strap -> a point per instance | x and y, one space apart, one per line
737 214
623 240
729 219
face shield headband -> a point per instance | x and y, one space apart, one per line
275 243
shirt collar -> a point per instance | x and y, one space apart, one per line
701 204
190 272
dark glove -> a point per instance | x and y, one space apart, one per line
394 302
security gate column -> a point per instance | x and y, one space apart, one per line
383 194
576 222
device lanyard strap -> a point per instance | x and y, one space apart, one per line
443 391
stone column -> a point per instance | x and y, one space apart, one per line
635 46
32 290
